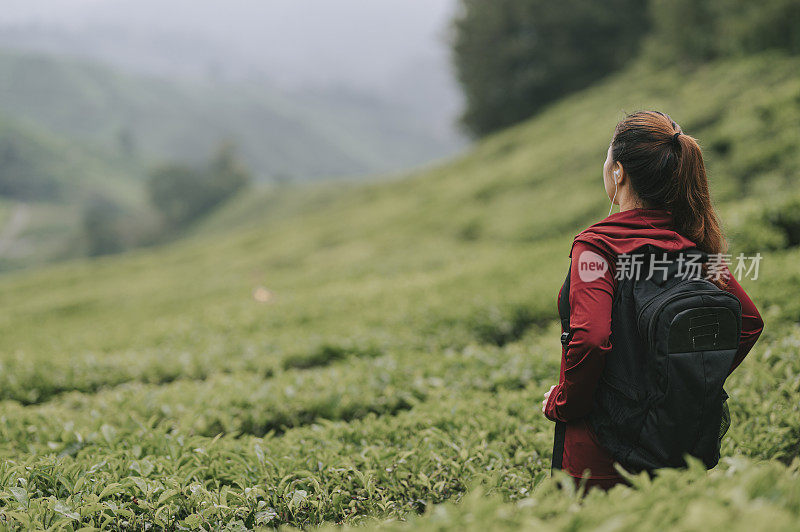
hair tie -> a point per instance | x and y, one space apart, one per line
675 138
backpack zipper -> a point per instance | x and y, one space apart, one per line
655 297
678 296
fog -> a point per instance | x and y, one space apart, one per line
302 90
383 46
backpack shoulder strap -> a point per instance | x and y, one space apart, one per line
566 336
564 310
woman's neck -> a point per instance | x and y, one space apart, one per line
627 204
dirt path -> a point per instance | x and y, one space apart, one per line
16 223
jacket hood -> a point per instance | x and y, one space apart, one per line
627 231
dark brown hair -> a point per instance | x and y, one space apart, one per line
667 171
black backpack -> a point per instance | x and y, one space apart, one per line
674 337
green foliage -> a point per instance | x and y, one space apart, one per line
692 31
100 220
55 182
513 57
226 174
182 193
772 227
179 192
396 367
757 234
500 327
738 496
786 218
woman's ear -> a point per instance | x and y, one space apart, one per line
618 173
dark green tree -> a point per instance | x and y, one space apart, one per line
512 57
691 32
226 173
183 193
178 192
101 218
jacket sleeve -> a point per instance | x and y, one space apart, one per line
590 298
752 324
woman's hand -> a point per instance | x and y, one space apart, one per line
546 397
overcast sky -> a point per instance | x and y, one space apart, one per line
357 42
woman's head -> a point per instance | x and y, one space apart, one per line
656 165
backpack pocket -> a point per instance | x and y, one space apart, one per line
690 419
623 404
676 422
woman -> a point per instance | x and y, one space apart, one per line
655 173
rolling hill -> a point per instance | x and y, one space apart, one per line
352 352
46 180
72 131
300 136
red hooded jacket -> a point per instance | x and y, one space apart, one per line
583 358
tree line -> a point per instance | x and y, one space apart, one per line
180 193
513 57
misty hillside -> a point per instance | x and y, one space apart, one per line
280 135
76 136
45 182
39 165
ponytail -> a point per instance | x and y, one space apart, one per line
666 170
689 199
